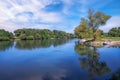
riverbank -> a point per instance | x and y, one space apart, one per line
112 43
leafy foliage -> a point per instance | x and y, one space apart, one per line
89 27
38 34
83 31
114 32
98 34
5 35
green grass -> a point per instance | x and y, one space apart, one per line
108 38
112 38
100 40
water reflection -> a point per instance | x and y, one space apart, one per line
31 44
115 46
44 62
115 75
5 45
19 65
89 59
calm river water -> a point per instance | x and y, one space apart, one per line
57 60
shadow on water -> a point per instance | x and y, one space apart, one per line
4 45
89 59
32 44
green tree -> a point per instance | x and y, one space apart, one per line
83 30
40 34
98 34
5 35
114 32
91 24
96 19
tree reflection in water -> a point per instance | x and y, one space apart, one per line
90 60
32 44
115 75
4 45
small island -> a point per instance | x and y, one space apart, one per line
88 30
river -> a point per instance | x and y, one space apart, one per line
57 60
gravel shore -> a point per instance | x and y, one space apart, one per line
113 43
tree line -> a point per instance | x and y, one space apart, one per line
114 32
40 34
34 34
5 35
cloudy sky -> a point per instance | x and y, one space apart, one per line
54 14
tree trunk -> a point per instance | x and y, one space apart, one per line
94 38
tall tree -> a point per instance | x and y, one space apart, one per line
91 24
97 19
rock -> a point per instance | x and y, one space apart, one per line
96 43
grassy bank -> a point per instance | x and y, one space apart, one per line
112 38
108 38
115 41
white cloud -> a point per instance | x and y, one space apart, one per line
11 27
50 17
67 6
113 22
34 6
13 14
70 4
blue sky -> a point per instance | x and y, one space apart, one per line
54 14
